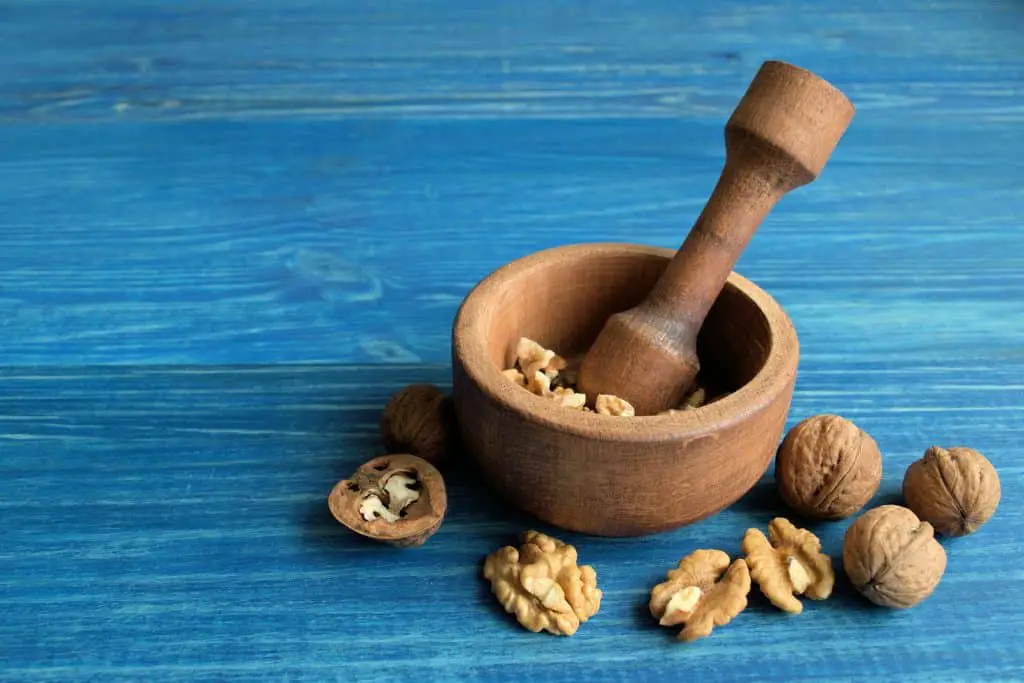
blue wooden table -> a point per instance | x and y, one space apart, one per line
230 230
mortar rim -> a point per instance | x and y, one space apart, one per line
469 352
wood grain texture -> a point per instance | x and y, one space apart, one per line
617 476
230 230
171 524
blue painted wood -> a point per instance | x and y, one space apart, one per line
228 231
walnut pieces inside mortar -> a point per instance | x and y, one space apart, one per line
956 490
542 584
787 563
698 595
398 499
892 557
420 420
827 467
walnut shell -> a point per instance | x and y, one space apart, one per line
410 526
955 490
827 467
420 420
892 557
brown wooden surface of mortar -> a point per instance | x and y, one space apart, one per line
616 476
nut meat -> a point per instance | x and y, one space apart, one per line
788 563
827 467
543 372
698 595
419 420
892 558
956 490
397 499
607 404
542 584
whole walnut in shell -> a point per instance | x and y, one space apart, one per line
892 557
827 467
956 490
419 420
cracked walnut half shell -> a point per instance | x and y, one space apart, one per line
398 499
892 557
787 563
542 584
702 592
956 490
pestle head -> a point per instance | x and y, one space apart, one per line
792 116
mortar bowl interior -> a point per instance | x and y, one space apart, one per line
617 476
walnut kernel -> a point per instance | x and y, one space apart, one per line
892 557
419 420
698 595
542 584
956 490
531 357
788 563
606 404
544 373
827 467
397 499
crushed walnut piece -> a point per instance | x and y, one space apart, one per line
542 584
531 357
606 404
701 593
516 376
788 563
543 372
567 398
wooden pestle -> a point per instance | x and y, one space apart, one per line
779 137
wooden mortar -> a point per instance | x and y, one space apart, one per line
616 476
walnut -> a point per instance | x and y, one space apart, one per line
542 584
697 594
892 558
531 357
516 376
539 383
695 399
606 404
419 419
544 373
397 499
827 467
790 564
955 490
567 398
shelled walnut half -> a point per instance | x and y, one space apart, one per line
787 563
398 499
698 595
542 584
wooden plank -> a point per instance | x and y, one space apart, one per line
355 241
171 524
228 231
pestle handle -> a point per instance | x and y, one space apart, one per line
778 138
